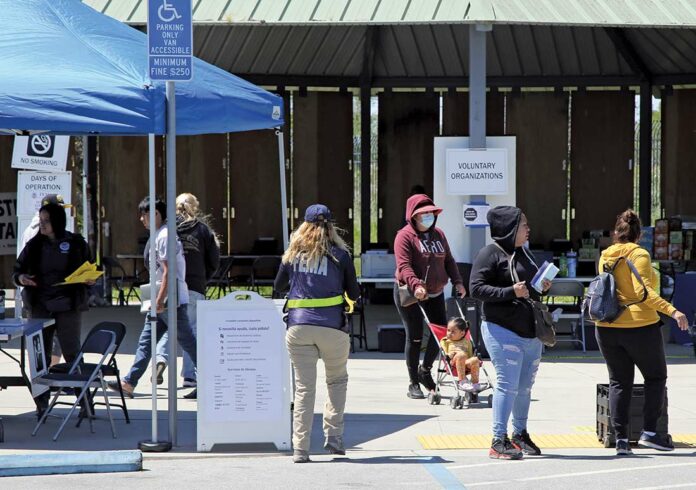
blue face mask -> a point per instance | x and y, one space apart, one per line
427 219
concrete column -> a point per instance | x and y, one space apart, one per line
477 111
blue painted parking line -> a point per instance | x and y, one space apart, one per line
443 476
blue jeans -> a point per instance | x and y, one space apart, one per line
188 369
186 338
516 361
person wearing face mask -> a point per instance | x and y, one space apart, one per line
424 263
501 278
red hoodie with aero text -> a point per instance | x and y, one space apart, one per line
415 251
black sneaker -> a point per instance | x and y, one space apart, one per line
503 449
415 392
161 366
425 378
525 444
623 448
661 442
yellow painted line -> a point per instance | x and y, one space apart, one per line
548 441
584 428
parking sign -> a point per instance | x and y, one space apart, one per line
170 40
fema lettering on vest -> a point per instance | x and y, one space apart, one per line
320 270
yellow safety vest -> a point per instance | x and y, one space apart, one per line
320 302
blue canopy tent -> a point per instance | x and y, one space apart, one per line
72 70
68 69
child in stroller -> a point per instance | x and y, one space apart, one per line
460 353
465 393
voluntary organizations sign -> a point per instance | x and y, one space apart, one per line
41 152
477 171
170 40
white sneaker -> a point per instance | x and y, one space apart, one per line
466 385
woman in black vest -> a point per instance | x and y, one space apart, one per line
47 259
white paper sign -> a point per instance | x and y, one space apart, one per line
246 366
8 223
32 187
476 172
243 372
41 152
475 214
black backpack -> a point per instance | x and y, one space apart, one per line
601 302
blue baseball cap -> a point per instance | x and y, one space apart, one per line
317 213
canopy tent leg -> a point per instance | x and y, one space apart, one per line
153 445
85 203
283 190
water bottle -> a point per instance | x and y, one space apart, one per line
2 304
563 266
572 263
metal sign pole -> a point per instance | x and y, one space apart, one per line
172 283
170 57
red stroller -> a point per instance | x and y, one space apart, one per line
447 374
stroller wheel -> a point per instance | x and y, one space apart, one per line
490 400
455 402
434 398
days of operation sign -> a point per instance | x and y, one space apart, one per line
170 40
476 172
32 187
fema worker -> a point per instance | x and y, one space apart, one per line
47 259
318 271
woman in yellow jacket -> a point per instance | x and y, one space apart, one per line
635 338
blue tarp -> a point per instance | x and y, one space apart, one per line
66 68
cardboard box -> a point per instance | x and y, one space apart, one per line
661 253
676 252
675 224
661 226
676 237
590 253
661 240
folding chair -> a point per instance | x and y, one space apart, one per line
220 279
573 312
263 271
359 311
110 367
116 275
79 378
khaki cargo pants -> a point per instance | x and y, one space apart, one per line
306 345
